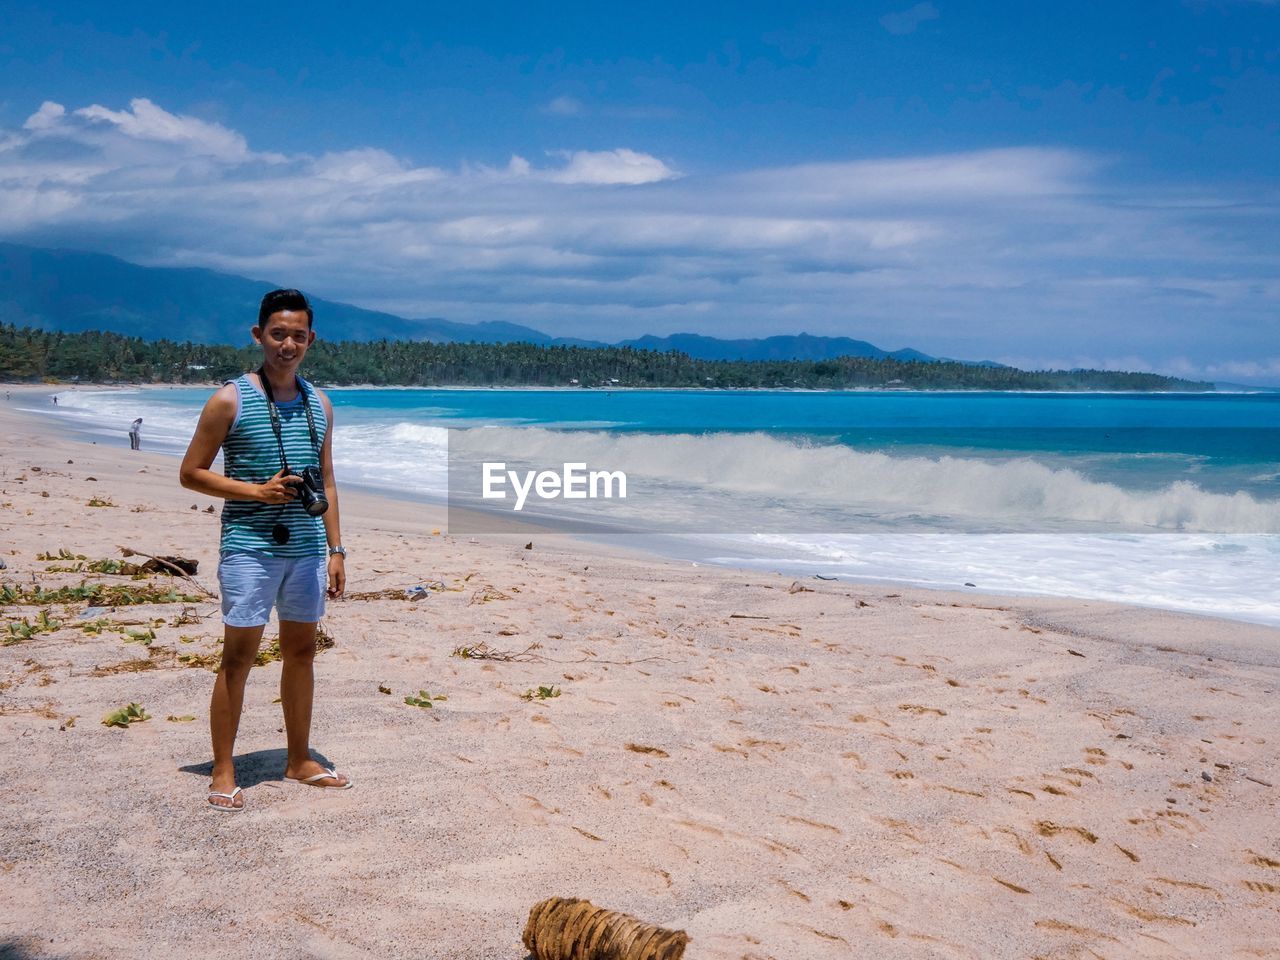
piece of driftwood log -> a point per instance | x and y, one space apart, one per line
179 566
561 928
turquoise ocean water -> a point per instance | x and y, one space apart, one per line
1169 500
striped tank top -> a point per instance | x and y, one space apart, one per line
250 453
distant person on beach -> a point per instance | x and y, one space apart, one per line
55 399
281 547
135 435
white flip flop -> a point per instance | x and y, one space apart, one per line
314 780
226 807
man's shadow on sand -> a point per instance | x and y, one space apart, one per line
258 766
23 949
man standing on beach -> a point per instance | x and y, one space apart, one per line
276 434
135 435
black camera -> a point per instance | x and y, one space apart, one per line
311 490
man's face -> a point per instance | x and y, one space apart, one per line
285 338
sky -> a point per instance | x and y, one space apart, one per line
1046 185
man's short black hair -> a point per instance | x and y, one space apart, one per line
278 300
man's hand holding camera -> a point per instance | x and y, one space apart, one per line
280 488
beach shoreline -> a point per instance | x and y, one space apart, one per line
990 564
619 388
785 767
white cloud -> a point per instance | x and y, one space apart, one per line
146 121
565 107
975 176
370 167
612 166
1027 250
906 21
46 117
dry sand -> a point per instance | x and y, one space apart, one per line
827 772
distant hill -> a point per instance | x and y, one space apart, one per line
799 347
72 291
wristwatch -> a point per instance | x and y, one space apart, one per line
339 550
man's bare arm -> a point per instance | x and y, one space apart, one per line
332 525
194 474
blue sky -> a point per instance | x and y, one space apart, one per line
1044 184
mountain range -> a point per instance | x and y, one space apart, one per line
73 291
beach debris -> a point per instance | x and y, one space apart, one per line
486 593
1263 783
97 594
564 928
188 616
645 748
70 461
424 699
181 566
529 545
195 506
823 576
17 631
185 718
1206 776
91 479
542 693
324 639
1075 653
99 502
968 584
211 660
137 665
798 587
272 652
747 616
143 637
209 509
383 688
133 713
3 565
482 651
396 593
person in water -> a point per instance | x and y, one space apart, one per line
278 547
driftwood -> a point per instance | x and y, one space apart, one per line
569 929
174 565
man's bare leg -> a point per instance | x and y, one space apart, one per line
239 647
297 690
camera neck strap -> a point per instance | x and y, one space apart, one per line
275 416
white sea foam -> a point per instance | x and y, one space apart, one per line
406 457
834 480
1231 577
